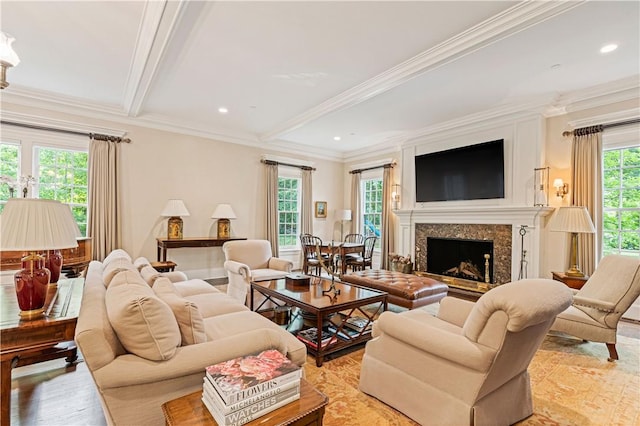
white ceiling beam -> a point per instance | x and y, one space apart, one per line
159 22
513 20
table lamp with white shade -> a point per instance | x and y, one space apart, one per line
342 215
173 210
224 213
32 225
575 220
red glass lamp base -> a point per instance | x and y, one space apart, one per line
31 286
53 262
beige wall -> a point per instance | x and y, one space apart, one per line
160 165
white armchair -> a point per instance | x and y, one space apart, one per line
251 260
599 304
468 365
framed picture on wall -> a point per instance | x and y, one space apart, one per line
321 209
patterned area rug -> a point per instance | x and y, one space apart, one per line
572 382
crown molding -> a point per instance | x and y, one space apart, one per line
613 117
20 95
37 120
502 25
603 94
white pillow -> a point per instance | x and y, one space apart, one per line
149 274
185 311
114 267
144 324
141 262
116 254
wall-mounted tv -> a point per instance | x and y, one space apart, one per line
468 173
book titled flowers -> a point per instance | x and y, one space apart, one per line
247 376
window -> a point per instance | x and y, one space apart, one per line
621 198
62 176
372 208
289 189
9 171
58 165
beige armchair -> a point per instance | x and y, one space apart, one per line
251 260
599 304
468 365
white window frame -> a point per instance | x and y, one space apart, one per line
29 140
292 173
616 139
376 174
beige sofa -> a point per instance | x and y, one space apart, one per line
147 337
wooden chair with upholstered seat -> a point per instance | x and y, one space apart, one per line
310 257
358 262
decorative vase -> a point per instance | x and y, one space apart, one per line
405 268
53 262
31 286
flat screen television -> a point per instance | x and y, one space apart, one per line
471 172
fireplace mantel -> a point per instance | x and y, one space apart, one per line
469 214
516 216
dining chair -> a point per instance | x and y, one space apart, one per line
310 260
358 262
354 238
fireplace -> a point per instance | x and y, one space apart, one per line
497 235
461 258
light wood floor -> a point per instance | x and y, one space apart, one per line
52 393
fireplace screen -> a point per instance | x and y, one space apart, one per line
460 258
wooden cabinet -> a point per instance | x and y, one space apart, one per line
74 259
573 282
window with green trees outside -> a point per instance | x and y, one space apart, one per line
288 211
621 201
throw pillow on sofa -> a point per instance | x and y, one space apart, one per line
144 324
150 275
141 262
114 268
116 254
186 312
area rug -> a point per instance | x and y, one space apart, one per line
572 382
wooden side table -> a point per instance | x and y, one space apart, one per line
49 337
573 282
167 266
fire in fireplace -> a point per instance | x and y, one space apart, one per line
461 258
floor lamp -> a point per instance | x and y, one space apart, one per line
575 220
343 215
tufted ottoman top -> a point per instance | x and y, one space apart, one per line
405 286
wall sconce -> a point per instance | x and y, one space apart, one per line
395 196
562 188
8 57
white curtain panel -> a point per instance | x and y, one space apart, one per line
271 206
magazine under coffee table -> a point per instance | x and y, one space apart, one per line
332 312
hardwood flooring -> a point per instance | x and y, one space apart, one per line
52 393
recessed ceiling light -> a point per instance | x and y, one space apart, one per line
223 110
336 138
608 48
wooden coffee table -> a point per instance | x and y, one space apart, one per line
24 342
322 308
307 411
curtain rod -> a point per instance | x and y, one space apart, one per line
276 163
600 127
96 136
386 166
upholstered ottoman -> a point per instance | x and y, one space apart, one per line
406 290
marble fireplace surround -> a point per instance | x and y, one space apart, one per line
500 235
498 223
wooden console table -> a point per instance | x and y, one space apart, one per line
24 342
164 244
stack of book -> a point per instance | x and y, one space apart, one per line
245 388
310 337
